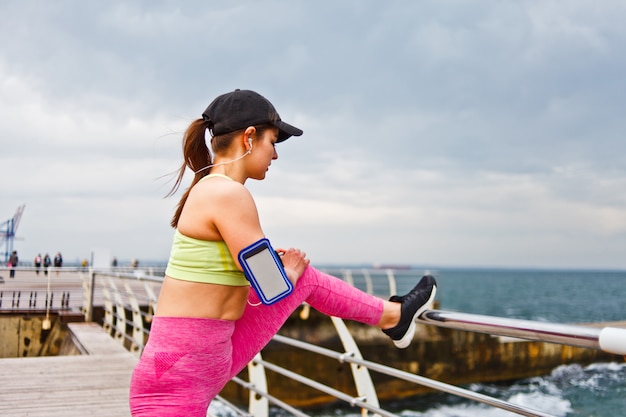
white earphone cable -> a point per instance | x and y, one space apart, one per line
228 162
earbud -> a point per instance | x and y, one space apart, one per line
250 143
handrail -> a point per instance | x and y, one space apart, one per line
353 401
27 292
258 404
607 339
362 379
254 389
427 382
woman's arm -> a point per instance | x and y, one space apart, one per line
220 209
239 225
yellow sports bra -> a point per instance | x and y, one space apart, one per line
203 261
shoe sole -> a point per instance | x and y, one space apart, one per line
408 336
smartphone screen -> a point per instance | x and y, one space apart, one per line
264 271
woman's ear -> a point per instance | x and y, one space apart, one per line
247 136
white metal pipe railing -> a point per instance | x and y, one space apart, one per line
254 389
361 376
28 291
607 339
420 380
360 402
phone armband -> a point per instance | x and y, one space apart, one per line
264 269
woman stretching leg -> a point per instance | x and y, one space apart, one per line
178 350
209 324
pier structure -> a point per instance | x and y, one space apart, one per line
83 360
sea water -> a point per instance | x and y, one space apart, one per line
553 296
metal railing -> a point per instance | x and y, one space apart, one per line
27 289
608 339
129 300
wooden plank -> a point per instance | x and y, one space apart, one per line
87 385
93 340
71 386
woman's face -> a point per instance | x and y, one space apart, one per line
263 153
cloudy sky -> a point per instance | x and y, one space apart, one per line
437 133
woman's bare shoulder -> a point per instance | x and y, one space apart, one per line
217 195
214 205
223 189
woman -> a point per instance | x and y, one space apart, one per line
209 323
13 260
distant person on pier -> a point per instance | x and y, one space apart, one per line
209 323
13 260
37 263
46 263
58 262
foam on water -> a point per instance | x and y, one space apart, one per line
546 398
542 402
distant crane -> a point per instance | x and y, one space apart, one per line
7 232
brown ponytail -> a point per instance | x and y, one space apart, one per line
196 156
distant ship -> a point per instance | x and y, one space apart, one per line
392 266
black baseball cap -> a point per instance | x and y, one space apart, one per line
242 108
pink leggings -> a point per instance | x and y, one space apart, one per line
187 361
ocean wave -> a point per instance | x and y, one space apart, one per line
608 366
597 377
546 403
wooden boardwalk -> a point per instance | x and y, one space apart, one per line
93 384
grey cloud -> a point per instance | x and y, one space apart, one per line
402 103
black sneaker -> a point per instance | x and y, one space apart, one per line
418 300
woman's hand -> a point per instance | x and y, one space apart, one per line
294 261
